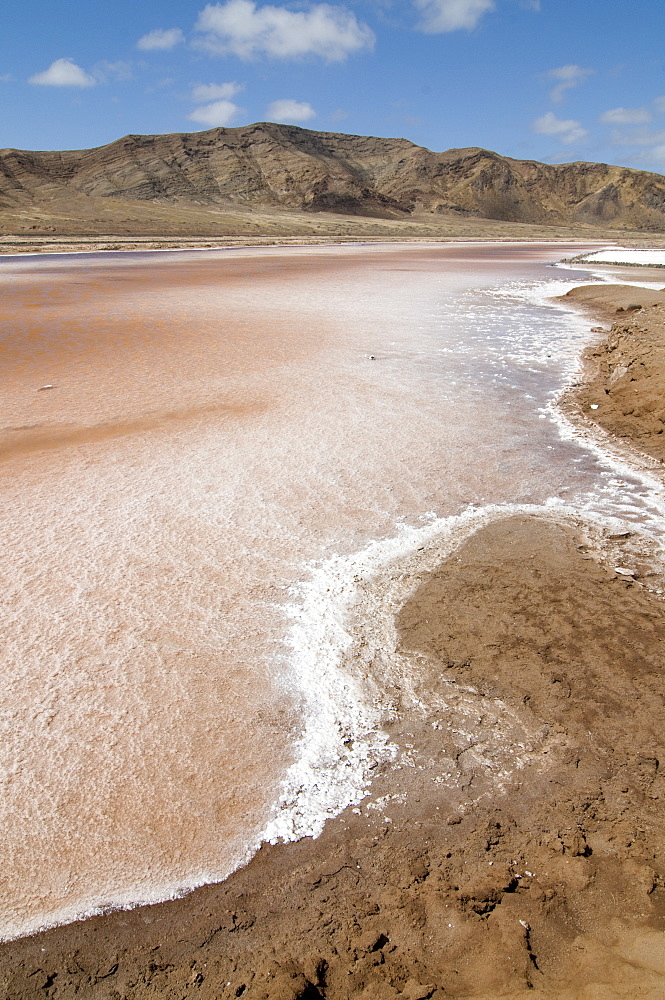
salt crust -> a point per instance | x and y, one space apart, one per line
343 647
343 655
623 255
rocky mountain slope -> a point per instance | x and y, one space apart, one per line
284 168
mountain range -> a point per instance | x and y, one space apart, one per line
140 181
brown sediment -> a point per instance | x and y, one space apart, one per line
471 879
613 300
624 388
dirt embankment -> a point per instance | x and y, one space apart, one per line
513 849
625 389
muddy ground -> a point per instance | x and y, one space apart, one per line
624 391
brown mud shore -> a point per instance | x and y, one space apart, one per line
624 389
460 876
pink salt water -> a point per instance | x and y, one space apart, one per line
215 425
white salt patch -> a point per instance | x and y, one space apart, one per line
342 740
621 255
344 656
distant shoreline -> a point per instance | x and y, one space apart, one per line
322 233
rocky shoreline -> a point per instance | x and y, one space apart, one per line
465 873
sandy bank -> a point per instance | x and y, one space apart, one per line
464 881
624 392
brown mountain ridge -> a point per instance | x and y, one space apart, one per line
162 180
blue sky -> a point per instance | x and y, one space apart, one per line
552 80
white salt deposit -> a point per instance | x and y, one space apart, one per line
623 255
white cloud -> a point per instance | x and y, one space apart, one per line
451 15
290 111
657 156
6 78
568 76
241 28
567 130
216 113
63 73
638 137
216 91
625 116
104 71
160 38
659 105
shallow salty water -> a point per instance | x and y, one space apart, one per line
227 429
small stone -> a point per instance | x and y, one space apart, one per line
414 990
